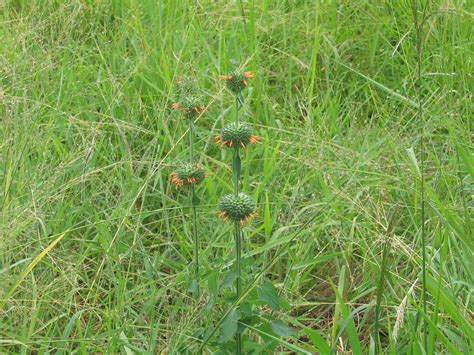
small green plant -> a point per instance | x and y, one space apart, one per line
190 174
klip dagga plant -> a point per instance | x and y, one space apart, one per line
189 174
237 207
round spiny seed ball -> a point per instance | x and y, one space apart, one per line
191 106
236 82
236 134
187 174
189 171
237 208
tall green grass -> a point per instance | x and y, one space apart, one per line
94 247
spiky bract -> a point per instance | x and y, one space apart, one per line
238 208
190 106
237 81
237 134
188 174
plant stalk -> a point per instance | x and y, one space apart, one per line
238 248
418 33
380 286
194 212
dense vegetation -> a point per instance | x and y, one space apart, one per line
96 244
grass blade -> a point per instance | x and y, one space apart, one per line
29 268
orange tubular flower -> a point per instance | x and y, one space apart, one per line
249 217
254 139
237 81
190 107
178 183
223 215
238 208
237 135
200 109
187 175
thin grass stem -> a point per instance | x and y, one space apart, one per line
383 269
418 34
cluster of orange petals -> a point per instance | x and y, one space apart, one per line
253 140
223 214
177 181
247 74
198 109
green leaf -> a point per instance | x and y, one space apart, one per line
267 217
451 306
382 87
265 332
337 308
465 155
126 349
246 309
281 329
237 164
29 268
284 304
193 286
229 326
68 329
268 294
316 260
436 329
196 201
451 219
70 325
412 156
349 325
317 340
229 278
212 282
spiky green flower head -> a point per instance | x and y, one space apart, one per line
237 134
190 106
190 101
238 208
237 81
187 175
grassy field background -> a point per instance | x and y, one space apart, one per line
95 243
